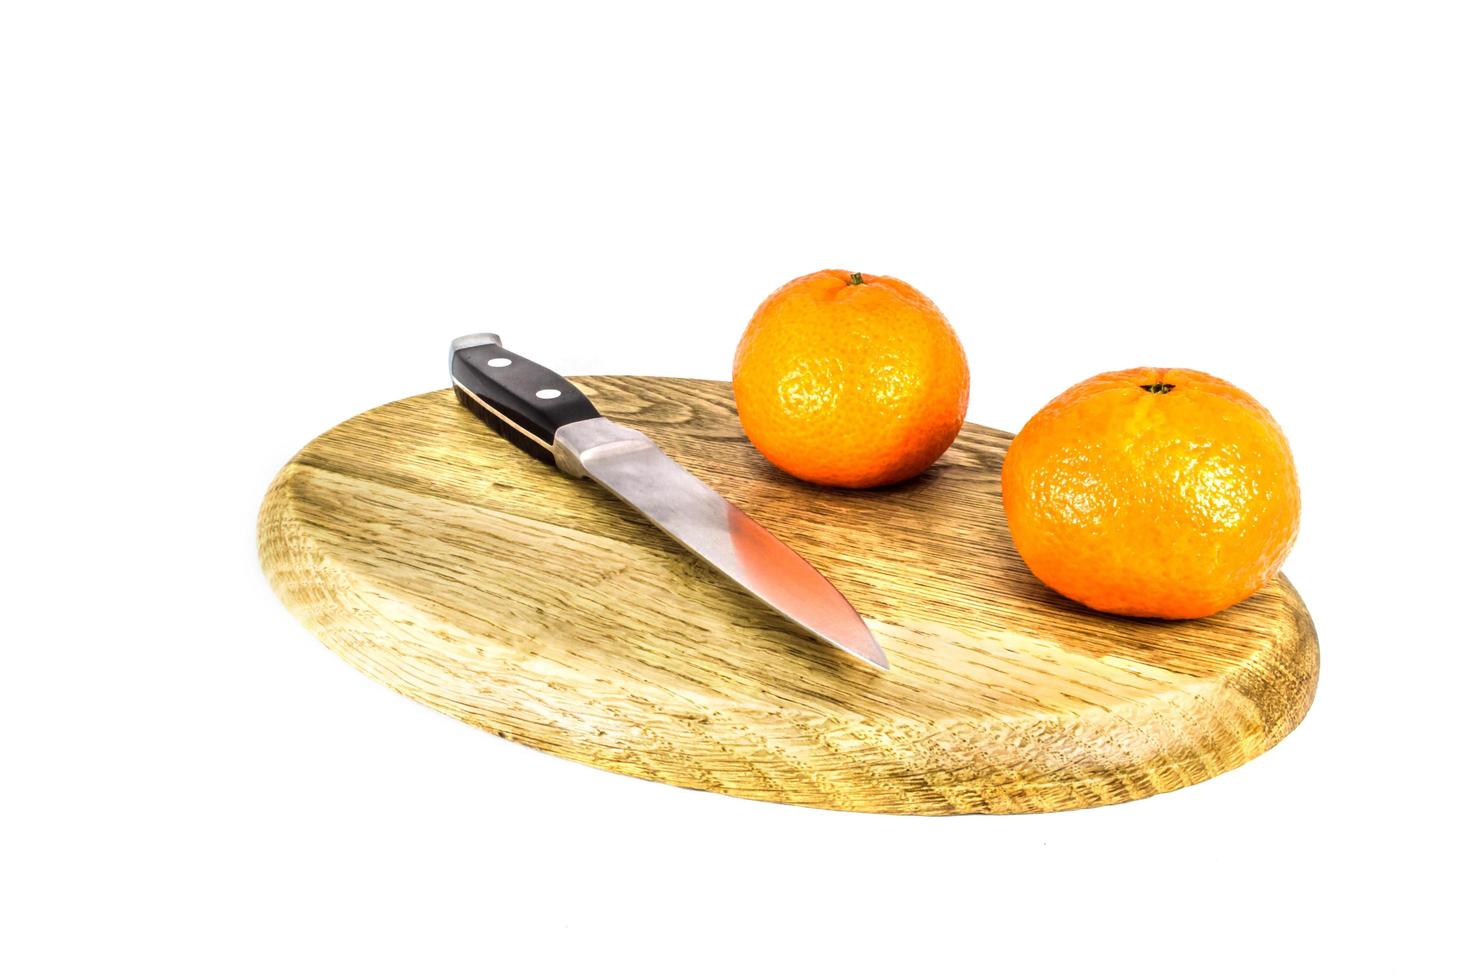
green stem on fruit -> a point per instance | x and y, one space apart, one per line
855 279
1159 388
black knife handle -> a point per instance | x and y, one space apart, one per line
520 400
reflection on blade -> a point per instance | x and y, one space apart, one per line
696 515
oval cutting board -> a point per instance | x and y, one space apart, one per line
443 562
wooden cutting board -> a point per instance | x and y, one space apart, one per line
443 562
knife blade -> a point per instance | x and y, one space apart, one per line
546 416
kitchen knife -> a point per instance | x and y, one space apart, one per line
544 415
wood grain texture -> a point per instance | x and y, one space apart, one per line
441 561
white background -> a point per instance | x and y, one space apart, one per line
226 227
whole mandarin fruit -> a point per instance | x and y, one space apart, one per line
1152 492
850 380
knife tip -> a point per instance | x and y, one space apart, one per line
870 652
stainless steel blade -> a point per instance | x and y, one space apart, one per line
635 470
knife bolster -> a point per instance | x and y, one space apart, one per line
579 441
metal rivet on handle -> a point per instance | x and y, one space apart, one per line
549 393
499 362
